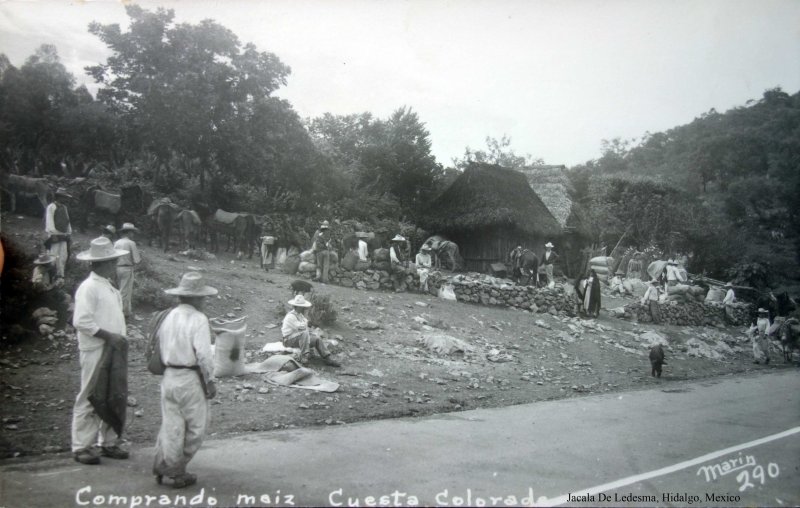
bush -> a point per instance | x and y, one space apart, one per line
755 275
321 312
149 287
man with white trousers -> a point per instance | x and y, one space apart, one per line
126 264
98 320
184 338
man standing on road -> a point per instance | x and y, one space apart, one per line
184 338
296 334
126 264
58 230
100 323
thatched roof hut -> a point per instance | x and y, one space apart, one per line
553 185
489 210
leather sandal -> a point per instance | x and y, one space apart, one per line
183 481
85 456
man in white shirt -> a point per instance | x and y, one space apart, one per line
98 320
184 338
674 275
650 299
761 337
399 262
296 334
363 246
125 265
728 303
548 260
58 229
424 263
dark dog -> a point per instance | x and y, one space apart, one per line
657 359
300 287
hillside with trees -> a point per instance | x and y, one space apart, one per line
190 111
723 188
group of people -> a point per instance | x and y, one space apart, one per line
50 266
399 257
184 342
521 269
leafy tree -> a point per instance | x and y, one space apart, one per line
388 159
497 152
184 87
32 102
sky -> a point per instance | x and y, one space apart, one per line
557 77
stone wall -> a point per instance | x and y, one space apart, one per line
555 301
374 279
689 314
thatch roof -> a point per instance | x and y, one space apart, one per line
552 185
488 195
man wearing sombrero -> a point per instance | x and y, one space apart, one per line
761 337
58 229
650 299
424 264
99 322
184 336
399 262
296 334
320 246
548 260
44 273
126 264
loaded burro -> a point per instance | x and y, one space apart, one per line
492 258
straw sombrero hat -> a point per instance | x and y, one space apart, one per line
325 225
61 191
398 238
299 301
192 284
548 245
101 249
362 234
426 247
44 259
128 226
110 229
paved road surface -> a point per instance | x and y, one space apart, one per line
736 439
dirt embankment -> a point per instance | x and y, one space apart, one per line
511 357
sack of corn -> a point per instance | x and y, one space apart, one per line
715 295
229 345
307 267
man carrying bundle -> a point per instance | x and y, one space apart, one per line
99 323
184 341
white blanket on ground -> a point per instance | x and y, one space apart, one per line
283 370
